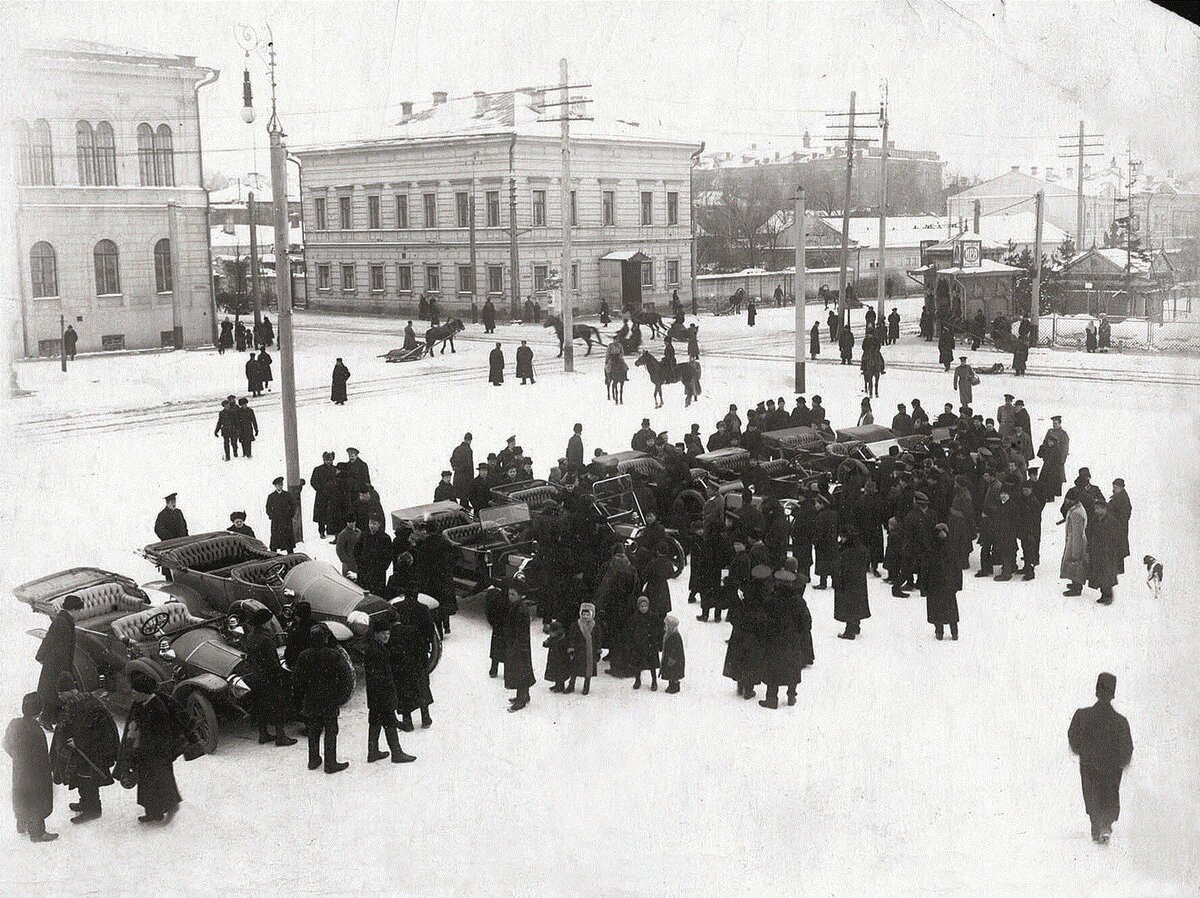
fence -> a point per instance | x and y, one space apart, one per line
1175 334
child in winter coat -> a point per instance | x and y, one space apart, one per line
672 655
32 787
645 637
558 659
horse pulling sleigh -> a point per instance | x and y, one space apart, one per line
440 334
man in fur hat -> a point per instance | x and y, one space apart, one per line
1101 738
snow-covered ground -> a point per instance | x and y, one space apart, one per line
909 766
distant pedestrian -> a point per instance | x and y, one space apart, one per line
518 656
268 334
846 343
32 786
1100 736
337 390
496 366
225 340
241 337
227 426
946 346
324 681
693 342
435 317
247 426
893 326
833 320
71 341
814 340
525 363
1020 356
558 660
488 316
170 523
1104 334
321 480
1091 338
264 366
850 605
645 636
673 660
965 380
281 509
751 313
254 375
381 696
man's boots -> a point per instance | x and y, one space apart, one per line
397 753
495 670
1027 573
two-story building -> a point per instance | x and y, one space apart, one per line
111 220
462 202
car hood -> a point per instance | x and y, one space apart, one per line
205 649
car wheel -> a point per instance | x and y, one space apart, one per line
87 677
435 653
204 720
677 558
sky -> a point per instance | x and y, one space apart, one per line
986 84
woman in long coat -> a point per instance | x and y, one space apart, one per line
496 366
157 731
518 655
583 640
944 570
1074 565
337 390
850 605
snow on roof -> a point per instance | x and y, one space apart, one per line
624 255
948 244
902 230
236 192
239 239
1138 264
1013 183
72 47
518 111
985 266
1019 227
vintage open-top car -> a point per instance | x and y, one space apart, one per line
432 516
123 626
618 503
221 568
482 546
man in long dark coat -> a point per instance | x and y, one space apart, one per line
410 645
84 750
462 462
247 426
518 655
1121 510
170 523
157 731
321 480
267 680
356 467
56 654
1101 738
850 605
382 697
281 509
337 390
410 337
32 787
373 556
525 363
488 316
323 680
893 326
227 426
254 375
496 366
1104 551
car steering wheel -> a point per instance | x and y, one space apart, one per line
153 624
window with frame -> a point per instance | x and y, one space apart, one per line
112 342
107 265
401 211
324 279
539 208
610 207
404 278
672 272
373 219
575 276
493 208
462 209
51 348
433 279
346 221
431 210
376 273
466 279
319 206
145 151
85 153
647 274
647 207
347 278
43 269
163 280
164 157
495 274
23 161
106 155
672 207
41 155
574 209
540 273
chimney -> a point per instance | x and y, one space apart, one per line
1050 174
406 110
1070 173
807 140
1033 170
439 97
975 228
480 103
1016 168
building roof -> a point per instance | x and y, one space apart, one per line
505 113
947 245
1012 183
231 238
985 266
1139 263
80 49
625 255
902 230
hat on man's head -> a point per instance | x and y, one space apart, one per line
645 422
1106 686
72 603
170 497
277 481
352 449
237 516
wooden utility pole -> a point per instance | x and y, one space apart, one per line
564 274
1035 304
881 277
250 208
1078 150
801 290
842 306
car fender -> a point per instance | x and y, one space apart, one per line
206 682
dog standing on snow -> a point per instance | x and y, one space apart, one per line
1154 574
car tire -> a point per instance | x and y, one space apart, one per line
435 653
203 716
677 557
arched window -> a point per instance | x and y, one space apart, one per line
22 152
108 276
85 152
164 157
162 266
43 270
106 155
145 145
42 154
